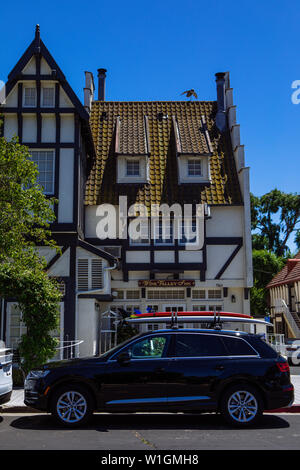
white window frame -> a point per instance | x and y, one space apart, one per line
24 97
53 168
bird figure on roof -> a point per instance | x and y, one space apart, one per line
190 93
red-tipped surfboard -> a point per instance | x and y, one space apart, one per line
190 317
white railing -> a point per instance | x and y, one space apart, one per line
67 350
64 350
281 307
277 341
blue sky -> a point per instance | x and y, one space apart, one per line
154 50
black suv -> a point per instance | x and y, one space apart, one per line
173 370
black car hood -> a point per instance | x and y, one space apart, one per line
72 362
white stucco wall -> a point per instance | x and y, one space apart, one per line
48 128
67 128
29 128
87 326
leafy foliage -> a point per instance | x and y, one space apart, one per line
265 266
25 213
275 216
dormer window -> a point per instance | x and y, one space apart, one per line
132 168
193 149
132 151
29 97
194 167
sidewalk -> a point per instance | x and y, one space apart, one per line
16 404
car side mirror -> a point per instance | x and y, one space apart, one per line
124 358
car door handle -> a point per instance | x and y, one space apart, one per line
220 367
160 369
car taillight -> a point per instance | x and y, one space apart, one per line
283 366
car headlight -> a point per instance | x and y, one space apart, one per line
37 374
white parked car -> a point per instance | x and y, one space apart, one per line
292 348
6 382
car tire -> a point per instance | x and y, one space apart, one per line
72 405
241 405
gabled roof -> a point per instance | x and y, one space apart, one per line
290 273
197 135
37 47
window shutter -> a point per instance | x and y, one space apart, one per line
83 274
96 274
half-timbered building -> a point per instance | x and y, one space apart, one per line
284 299
90 154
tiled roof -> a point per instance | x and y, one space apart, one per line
150 126
289 273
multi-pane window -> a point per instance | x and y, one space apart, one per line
199 308
188 232
29 97
132 168
194 167
198 293
166 294
214 294
44 160
217 308
16 326
163 232
132 294
153 327
130 309
144 234
48 97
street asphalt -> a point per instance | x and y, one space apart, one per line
148 432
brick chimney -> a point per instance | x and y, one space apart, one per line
101 84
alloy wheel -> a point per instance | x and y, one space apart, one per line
242 406
71 407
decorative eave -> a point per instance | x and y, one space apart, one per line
97 251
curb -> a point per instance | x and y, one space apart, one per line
27 409
291 409
19 409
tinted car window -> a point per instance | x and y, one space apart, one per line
264 349
194 345
238 347
152 347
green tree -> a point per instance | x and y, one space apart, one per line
25 214
265 266
275 216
